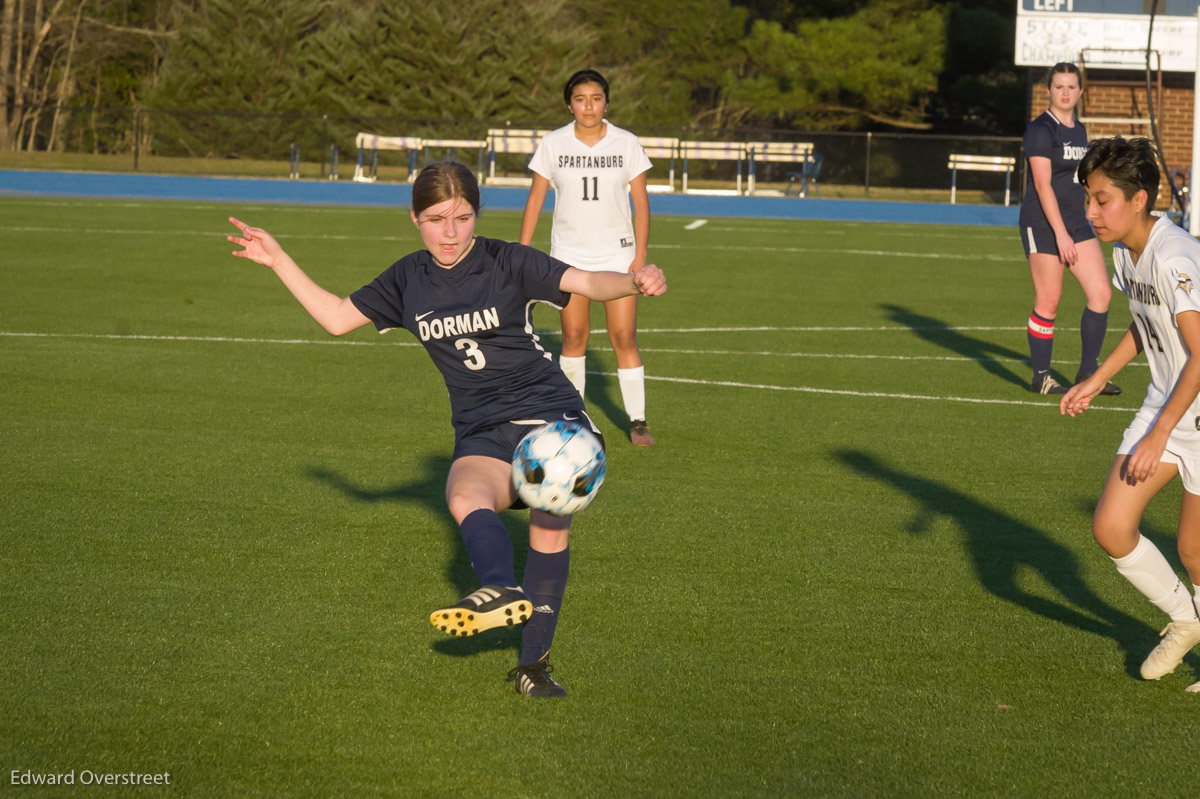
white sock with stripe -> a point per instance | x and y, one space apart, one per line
1149 572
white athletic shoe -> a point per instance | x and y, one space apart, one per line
1178 638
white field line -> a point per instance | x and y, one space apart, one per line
222 207
875 394
217 234
211 339
998 232
660 378
842 250
814 329
974 234
841 355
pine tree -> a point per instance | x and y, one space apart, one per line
667 62
245 56
880 64
483 60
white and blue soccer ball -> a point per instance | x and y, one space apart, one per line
558 468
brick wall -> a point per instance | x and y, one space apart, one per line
1120 93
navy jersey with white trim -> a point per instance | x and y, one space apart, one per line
1046 137
475 320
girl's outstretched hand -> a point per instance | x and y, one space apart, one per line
1079 396
260 246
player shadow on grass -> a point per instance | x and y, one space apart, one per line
1166 542
430 490
598 396
985 353
1001 545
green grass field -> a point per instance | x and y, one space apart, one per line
858 563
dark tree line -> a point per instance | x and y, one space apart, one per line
699 64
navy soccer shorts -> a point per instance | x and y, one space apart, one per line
1039 236
500 441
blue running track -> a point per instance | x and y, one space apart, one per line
315 192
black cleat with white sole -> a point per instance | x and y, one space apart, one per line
535 680
490 606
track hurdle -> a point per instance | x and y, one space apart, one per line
375 143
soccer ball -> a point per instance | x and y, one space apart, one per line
558 468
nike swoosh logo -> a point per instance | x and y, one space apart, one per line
419 317
568 417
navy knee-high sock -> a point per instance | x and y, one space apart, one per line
1041 343
545 583
1092 327
489 547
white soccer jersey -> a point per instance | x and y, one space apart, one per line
1163 283
593 225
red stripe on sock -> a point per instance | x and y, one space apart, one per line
1039 328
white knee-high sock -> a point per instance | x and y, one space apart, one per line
574 369
633 391
1151 574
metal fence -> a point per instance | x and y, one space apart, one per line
854 162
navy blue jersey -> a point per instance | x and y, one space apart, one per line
1046 137
475 320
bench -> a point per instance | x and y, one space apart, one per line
981 163
790 152
809 174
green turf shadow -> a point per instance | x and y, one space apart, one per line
1000 544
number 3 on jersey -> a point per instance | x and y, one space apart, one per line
595 189
475 360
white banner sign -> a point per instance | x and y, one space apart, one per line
1045 38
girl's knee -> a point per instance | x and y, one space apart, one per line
1099 297
624 343
1114 538
1189 554
574 340
1046 307
459 505
463 500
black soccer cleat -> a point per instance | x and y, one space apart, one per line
535 680
639 434
490 606
1046 385
1110 389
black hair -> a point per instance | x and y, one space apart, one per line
1062 67
441 181
581 77
1129 164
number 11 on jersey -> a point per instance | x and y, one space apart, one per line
595 188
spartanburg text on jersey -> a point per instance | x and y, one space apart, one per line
1162 284
475 320
592 219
